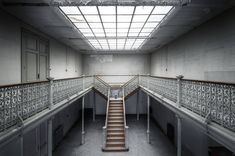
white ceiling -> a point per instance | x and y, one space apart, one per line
51 21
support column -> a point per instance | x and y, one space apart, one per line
49 137
94 105
21 145
178 135
137 107
148 118
83 128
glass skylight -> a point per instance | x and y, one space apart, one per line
116 27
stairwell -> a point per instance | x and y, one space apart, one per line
115 134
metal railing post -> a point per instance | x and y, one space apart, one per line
83 124
104 137
179 90
137 106
148 77
148 119
83 82
127 137
50 92
178 135
94 105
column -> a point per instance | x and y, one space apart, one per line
94 105
178 135
137 106
21 144
83 128
49 137
148 118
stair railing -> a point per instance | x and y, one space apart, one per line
131 85
106 119
101 86
126 128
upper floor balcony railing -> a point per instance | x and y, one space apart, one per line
19 102
211 100
214 101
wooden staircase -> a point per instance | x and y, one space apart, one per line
115 135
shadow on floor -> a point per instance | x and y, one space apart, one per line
138 146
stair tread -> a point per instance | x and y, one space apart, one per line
115 149
115 137
115 142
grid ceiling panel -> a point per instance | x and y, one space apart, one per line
116 27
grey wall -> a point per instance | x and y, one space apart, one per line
116 64
61 57
38 135
194 141
206 53
131 103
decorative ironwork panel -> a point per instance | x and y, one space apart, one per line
143 81
63 89
164 87
212 99
88 82
22 101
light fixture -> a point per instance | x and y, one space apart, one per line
116 27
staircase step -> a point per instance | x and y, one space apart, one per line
115 144
114 111
116 138
115 103
115 134
115 117
115 129
115 108
115 121
115 149
115 125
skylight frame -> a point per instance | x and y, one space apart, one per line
108 26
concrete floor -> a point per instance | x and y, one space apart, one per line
160 145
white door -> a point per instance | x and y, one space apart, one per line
35 53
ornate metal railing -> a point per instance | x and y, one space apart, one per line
101 86
130 86
18 102
211 100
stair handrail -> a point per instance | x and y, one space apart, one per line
105 86
102 81
128 85
106 119
124 117
129 81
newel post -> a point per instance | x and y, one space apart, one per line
179 89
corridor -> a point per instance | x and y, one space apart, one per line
160 145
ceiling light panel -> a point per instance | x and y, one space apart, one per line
116 27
